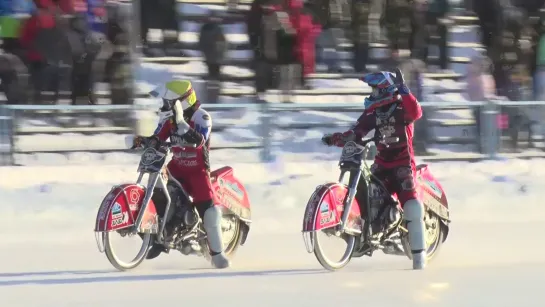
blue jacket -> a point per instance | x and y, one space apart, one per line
96 23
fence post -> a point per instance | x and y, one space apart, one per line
7 129
266 129
490 133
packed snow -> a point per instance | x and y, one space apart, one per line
493 255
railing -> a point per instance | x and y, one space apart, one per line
110 120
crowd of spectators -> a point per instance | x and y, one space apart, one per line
307 33
59 44
55 46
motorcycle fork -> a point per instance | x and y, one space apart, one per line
355 175
153 180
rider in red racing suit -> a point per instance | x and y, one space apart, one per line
391 111
188 126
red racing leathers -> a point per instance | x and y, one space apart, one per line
191 165
394 163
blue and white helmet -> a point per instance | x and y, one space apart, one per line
384 89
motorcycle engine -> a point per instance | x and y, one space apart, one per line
183 211
384 211
377 199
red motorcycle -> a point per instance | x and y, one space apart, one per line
334 211
135 209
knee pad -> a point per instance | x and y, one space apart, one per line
414 215
203 206
413 210
211 217
212 226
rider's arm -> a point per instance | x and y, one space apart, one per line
164 129
366 122
198 132
412 108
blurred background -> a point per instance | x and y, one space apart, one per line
273 73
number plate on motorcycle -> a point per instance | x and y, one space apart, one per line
151 160
351 149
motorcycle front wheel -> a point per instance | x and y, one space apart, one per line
325 261
114 258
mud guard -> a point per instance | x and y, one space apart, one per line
433 196
325 208
232 197
120 209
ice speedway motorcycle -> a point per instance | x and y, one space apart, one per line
333 210
135 209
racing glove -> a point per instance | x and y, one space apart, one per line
400 83
338 139
142 141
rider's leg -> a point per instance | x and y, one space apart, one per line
361 190
413 214
203 198
212 225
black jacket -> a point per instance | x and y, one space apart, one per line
212 42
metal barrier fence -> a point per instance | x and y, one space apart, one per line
112 119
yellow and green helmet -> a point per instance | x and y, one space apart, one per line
177 90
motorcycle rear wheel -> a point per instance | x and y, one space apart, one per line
324 260
231 239
435 232
118 263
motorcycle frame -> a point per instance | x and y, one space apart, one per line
357 173
155 178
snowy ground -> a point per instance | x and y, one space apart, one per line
493 257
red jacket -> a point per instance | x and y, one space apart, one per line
42 19
399 124
307 32
187 160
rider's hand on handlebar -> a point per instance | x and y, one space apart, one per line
338 139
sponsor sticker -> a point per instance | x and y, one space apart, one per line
134 196
187 162
235 189
116 211
122 219
327 217
324 207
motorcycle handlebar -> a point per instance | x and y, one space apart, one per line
154 142
382 140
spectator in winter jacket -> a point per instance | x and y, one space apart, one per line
43 18
213 45
254 25
306 32
360 33
436 14
396 18
12 15
334 16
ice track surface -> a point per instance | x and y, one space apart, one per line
493 257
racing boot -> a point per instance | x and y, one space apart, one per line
212 226
414 215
